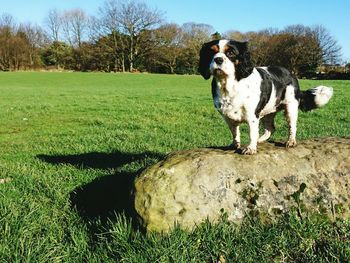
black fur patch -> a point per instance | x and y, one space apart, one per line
307 101
265 88
205 56
243 63
280 78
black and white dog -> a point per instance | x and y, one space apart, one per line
244 93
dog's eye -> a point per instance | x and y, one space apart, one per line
230 53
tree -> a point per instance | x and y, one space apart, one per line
58 54
18 50
331 51
235 35
128 35
7 28
166 49
307 52
104 54
108 24
134 18
53 23
19 45
53 26
74 25
35 38
194 35
258 43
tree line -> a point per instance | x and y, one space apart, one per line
131 36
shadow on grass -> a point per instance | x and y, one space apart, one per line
98 160
109 195
105 197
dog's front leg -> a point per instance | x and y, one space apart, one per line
236 135
254 136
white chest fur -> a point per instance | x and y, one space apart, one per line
237 100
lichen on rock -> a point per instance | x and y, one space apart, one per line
188 187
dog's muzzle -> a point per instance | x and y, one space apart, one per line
219 73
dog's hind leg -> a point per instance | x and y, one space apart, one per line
269 125
291 113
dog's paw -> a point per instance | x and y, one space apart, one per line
291 143
249 151
235 145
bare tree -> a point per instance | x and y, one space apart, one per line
194 35
298 30
258 43
197 32
109 24
235 35
16 51
35 38
109 16
134 18
7 30
307 50
331 51
167 46
53 24
75 24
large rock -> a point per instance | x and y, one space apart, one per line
191 186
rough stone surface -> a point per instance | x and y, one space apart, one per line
191 186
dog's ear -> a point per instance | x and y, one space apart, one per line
205 56
242 47
243 64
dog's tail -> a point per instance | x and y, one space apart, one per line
315 98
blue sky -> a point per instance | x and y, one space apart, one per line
224 15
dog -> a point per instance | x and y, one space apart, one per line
245 93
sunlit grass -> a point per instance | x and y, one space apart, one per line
100 127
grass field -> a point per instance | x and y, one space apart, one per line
70 142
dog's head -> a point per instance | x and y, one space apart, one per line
223 58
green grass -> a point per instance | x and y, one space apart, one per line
70 142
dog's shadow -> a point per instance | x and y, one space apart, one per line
105 197
98 160
109 195
270 144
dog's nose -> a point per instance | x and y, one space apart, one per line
219 60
